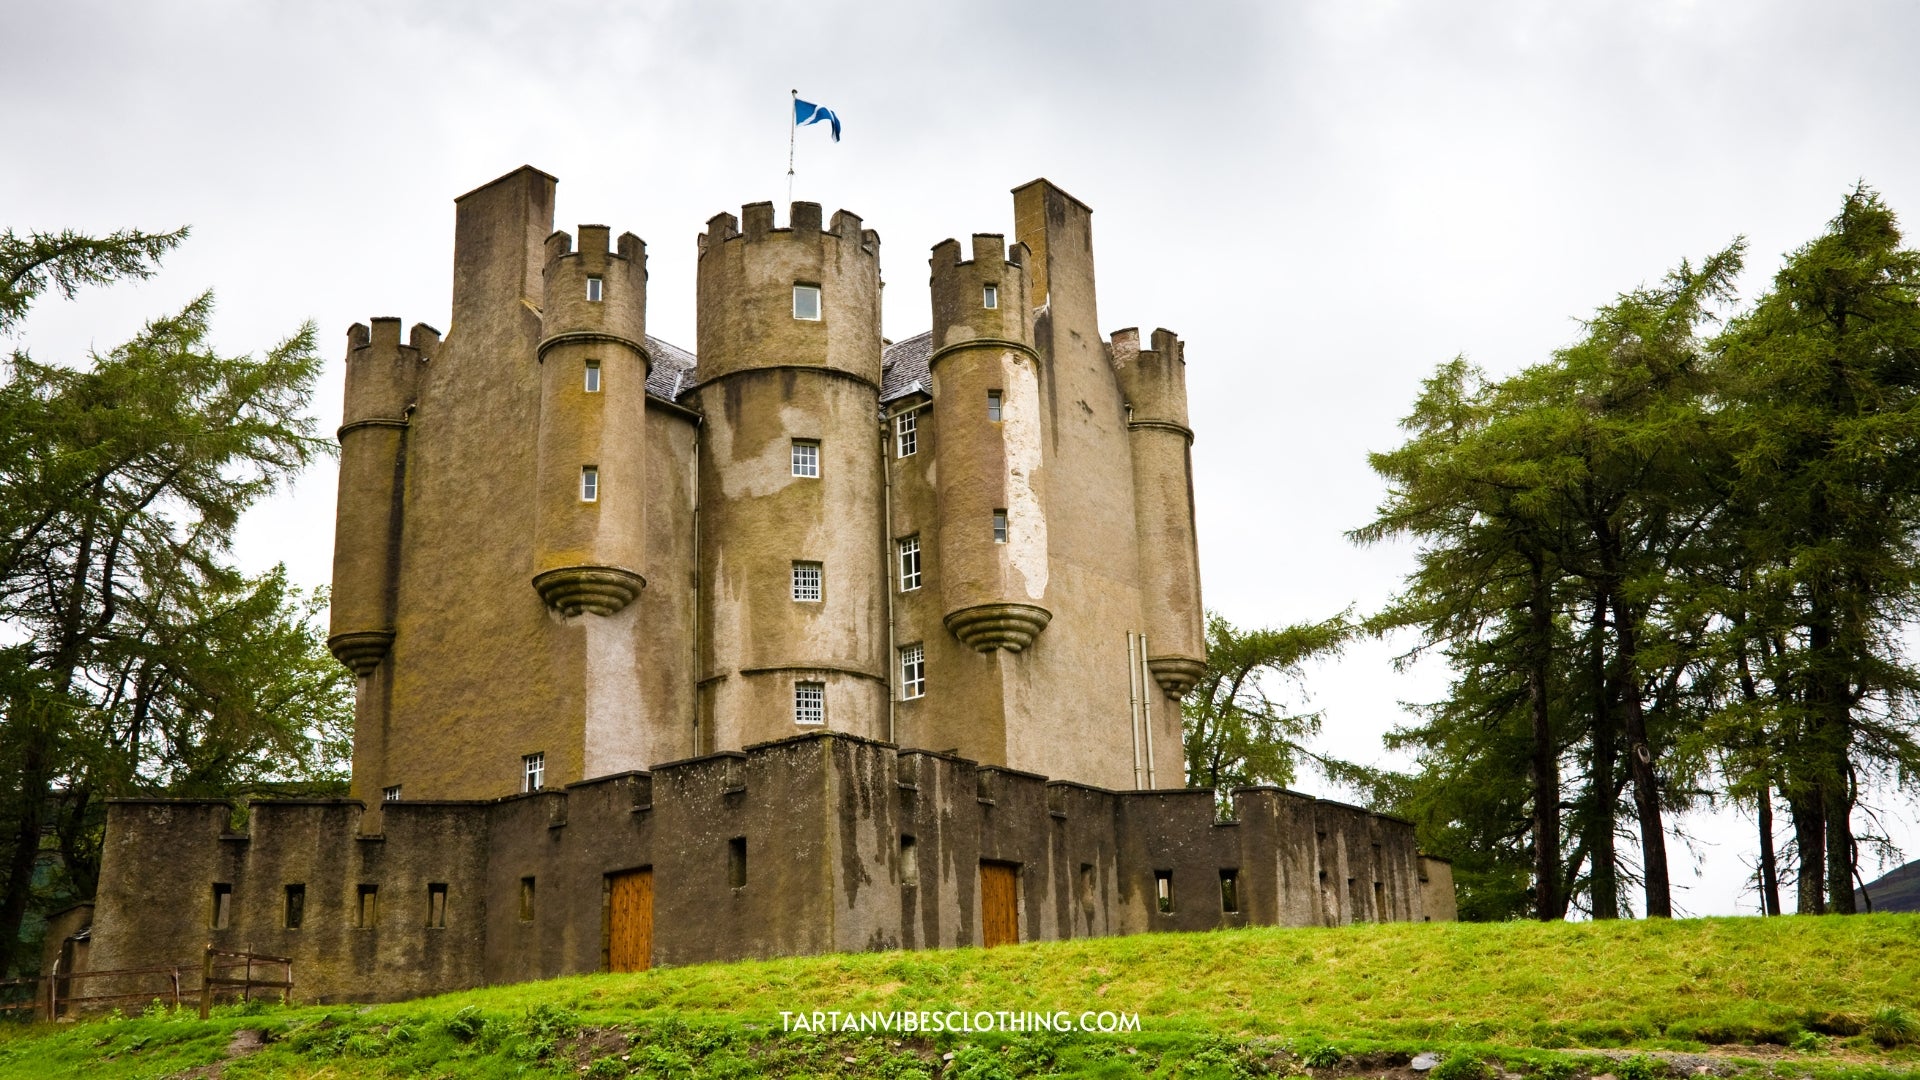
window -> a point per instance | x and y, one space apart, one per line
806 582
913 671
999 526
1086 883
737 862
909 862
1379 901
806 457
369 906
390 794
593 289
993 405
593 376
437 906
1229 890
296 906
806 302
809 703
589 483
1163 890
222 914
905 440
533 771
990 296
526 899
910 564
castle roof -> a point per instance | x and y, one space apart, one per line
903 367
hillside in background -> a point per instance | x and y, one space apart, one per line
1778 997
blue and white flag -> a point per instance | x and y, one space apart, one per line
806 112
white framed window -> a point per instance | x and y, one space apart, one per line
806 457
589 483
910 564
913 671
810 703
990 296
593 376
905 436
806 582
390 794
533 772
993 405
595 292
999 526
806 302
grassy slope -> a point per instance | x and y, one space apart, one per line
1503 989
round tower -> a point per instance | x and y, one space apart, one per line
993 555
792 570
382 378
590 518
1155 384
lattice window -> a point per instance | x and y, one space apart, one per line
533 772
806 582
910 564
913 671
806 457
810 703
905 438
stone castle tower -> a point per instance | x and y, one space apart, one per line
567 551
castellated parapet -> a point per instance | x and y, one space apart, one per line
802 641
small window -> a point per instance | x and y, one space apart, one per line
806 582
913 671
1229 890
993 405
369 906
221 916
589 483
909 862
1163 890
526 899
810 703
1379 902
593 376
806 302
806 457
1086 883
910 564
990 296
999 526
533 772
737 862
905 438
296 906
437 906
594 291
390 794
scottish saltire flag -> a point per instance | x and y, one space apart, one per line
806 112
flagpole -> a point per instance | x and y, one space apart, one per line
792 126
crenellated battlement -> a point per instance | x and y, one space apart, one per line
1153 380
984 298
756 224
989 249
595 246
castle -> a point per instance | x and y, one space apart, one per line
819 642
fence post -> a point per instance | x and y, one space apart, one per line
246 988
53 991
176 989
206 983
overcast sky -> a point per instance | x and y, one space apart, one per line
1324 199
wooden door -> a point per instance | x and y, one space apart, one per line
999 905
630 920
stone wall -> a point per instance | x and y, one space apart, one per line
849 844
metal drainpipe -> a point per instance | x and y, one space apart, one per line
1146 708
699 686
1133 708
887 570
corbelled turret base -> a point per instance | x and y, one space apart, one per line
588 590
998 626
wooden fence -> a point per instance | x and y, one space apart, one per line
57 994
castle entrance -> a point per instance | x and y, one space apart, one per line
999 904
630 920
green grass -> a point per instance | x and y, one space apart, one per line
1828 997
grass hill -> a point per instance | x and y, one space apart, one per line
1826 997
1895 891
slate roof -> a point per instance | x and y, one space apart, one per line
903 369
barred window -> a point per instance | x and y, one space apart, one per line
809 703
806 582
533 772
904 439
806 457
999 526
391 794
910 564
913 671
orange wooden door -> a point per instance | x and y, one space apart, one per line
999 912
630 920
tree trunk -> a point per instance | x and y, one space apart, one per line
1549 904
1769 868
1604 883
1837 796
1646 785
1810 838
34 783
